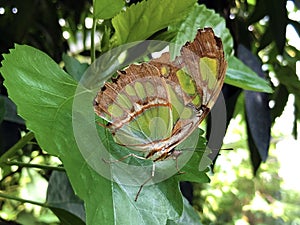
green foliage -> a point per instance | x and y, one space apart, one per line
198 17
8 111
44 95
278 54
74 67
189 216
235 196
56 99
104 9
238 74
62 200
142 20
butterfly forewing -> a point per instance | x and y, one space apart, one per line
207 65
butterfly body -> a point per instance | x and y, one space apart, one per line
152 107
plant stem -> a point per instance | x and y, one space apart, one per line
93 50
20 144
11 197
30 165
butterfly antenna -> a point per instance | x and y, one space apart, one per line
203 149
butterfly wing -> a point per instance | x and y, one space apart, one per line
137 107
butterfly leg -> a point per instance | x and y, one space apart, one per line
139 157
101 125
177 168
175 154
145 182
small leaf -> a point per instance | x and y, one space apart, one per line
281 95
74 67
189 216
65 217
265 39
9 110
106 9
143 19
288 77
62 200
240 75
2 108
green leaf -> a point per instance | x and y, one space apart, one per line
65 217
288 77
2 108
280 96
197 167
47 103
277 23
74 67
106 9
46 89
62 200
189 216
8 111
143 19
200 17
240 75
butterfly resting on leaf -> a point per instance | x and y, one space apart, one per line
153 106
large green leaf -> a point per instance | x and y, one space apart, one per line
143 19
46 103
105 9
200 17
240 75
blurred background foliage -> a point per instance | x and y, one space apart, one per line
266 36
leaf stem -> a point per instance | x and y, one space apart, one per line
20 144
31 165
93 49
11 197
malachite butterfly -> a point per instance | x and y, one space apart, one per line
153 106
